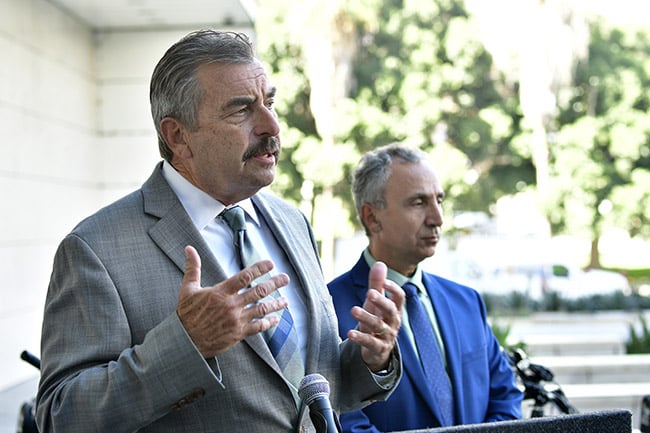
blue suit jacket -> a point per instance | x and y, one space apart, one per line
484 385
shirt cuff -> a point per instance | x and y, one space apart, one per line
387 377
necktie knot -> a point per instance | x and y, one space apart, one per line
235 218
410 289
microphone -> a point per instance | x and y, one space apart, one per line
314 390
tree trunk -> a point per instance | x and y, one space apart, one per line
594 254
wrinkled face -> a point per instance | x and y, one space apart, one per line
407 229
234 150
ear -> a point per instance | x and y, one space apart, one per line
175 135
369 218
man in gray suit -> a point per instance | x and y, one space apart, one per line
150 323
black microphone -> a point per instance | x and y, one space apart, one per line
314 390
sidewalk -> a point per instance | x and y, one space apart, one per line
11 399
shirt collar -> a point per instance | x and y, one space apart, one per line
395 276
198 204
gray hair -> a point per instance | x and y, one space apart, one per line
371 174
175 90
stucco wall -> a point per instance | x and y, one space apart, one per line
48 108
76 135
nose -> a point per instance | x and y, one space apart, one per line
434 216
266 123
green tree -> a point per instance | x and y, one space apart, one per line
423 77
321 40
600 155
420 76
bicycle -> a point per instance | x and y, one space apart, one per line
539 386
26 415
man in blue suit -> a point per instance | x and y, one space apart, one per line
399 202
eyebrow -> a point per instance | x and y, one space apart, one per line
238 101
438 196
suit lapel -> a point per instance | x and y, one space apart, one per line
283 226
174 230
359 275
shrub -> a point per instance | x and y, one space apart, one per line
639 342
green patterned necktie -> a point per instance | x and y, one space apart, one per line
283 338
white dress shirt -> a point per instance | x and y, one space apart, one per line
203 210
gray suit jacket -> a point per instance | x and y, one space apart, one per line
115 357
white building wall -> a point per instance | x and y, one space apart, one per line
77 134
48 167
126 137
127 143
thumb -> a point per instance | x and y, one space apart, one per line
377 277
192 276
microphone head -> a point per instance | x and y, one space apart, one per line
313 386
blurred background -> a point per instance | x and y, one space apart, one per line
535 114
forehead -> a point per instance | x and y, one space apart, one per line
225 80
409 177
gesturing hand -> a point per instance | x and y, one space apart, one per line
379 319
218 317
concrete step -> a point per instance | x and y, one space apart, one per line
595 369
574 345
572 334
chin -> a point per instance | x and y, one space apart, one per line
430 252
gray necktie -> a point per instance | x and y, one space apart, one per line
283 338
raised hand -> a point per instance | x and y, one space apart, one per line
218 317
379 319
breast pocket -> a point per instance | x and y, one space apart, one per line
475 366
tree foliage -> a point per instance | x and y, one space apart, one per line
600 155
422 76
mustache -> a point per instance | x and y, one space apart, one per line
264 145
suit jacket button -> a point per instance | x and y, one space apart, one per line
191 397
195 394
180 404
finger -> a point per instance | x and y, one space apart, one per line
368 323
396 295
377 277
376 281
260 291
259 316
374 343
393 297
192 275
246 276
374 351
261 325
376 302
381 328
